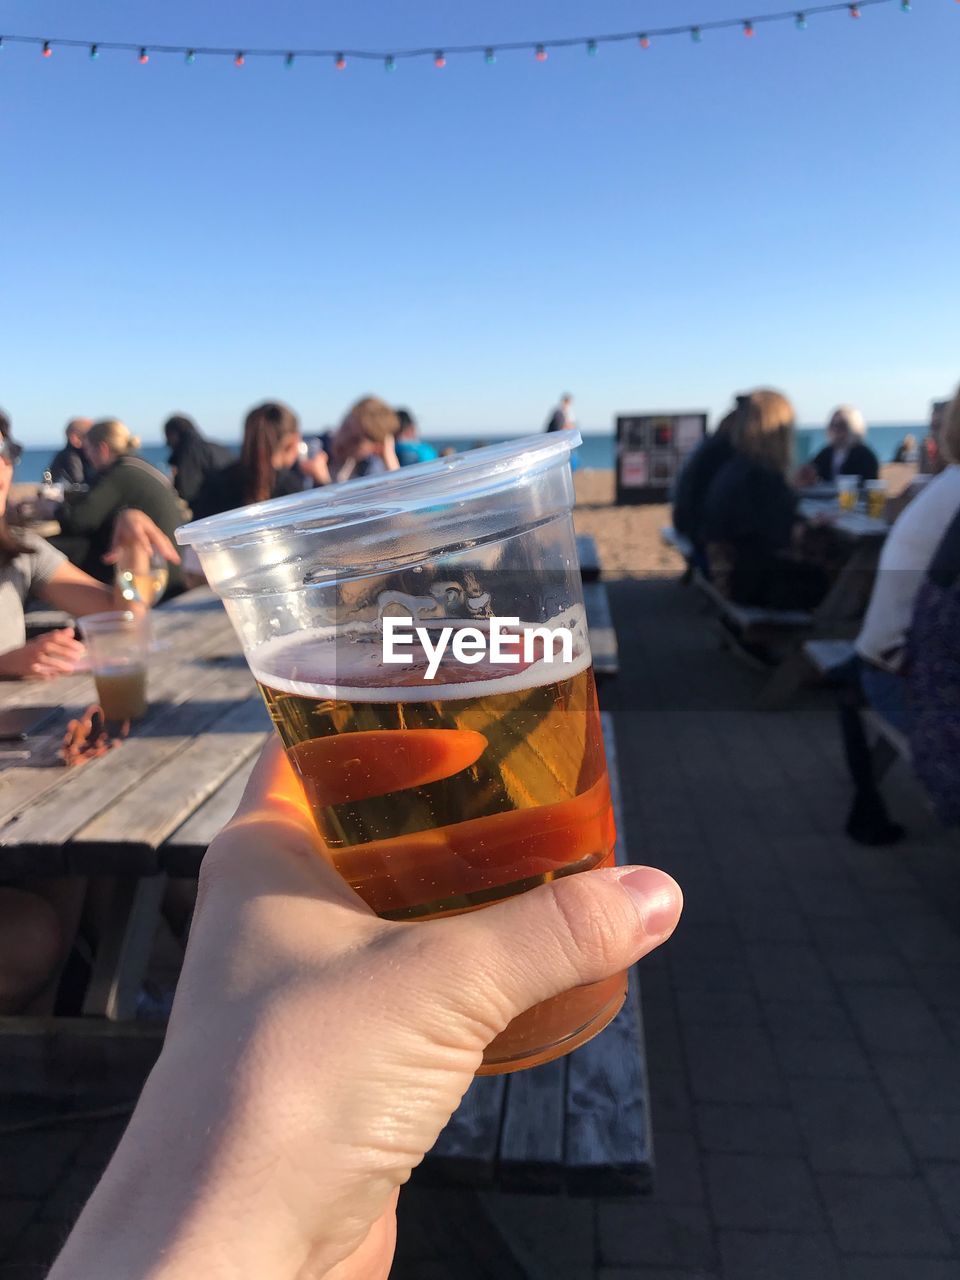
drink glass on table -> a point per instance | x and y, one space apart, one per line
847 492
141 576
117 645
876 498
421 643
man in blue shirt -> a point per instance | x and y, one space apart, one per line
410 448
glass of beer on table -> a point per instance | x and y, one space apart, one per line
876 498
421 643
117 645
847 492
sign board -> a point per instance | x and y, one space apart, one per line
651 449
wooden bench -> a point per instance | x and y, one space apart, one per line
589 557
677 542
603 636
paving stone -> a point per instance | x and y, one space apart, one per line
932 1135
944 1182
15 1214
40 1243
821 1059
31 1163
645 1273
912 1082
866 967
883 1216
555 1232
940 983
757 920
770 1193
71 1193
634 1233
772 1255
925 938
896 1020
809 1020
732 1064
722 1008
899 1269
748 1129
789 971
831 899
847 1127
678 1177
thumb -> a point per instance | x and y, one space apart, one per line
567 933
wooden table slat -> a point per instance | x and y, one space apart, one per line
531 1138
183 850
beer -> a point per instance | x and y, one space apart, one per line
122 692
876 498
147 587
434 798
847 493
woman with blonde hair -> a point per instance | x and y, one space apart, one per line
751 522
365 441
846 454
124 481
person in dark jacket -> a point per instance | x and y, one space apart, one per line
750 518
123 480
694 481
70 465
846 454
192 458
265 469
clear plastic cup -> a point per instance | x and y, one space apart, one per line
421 643
848 491
117 645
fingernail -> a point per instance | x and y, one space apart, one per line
660 898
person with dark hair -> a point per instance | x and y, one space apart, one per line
192 458
70 466
410 448
265 468
694 481
561 419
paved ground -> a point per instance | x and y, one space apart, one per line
803 1027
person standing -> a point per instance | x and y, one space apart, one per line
562 418
70 465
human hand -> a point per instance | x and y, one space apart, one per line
317 467
315 1051
135 533
55 653
391 461
805 476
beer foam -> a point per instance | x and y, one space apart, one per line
350 668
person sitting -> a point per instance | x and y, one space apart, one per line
37 917
751 524
845 454
266 467
906 450
123 480
410 448
365 441
70 465
932 460
192 458
881 646
694 481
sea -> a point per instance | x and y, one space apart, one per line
598 450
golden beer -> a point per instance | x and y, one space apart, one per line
438 797
122 693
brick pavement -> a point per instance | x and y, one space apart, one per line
803 1027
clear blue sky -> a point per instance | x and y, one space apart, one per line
649 229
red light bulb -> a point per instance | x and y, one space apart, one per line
645 40
47 51
239 60
748 28
144 58
541 54
341 62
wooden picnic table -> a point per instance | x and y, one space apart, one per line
852 524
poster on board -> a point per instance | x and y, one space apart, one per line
651 449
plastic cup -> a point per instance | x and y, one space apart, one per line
847 492
117 645
421 643
876 498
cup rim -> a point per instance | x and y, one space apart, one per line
458 478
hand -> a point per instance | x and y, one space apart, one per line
315 1052
390 458
805 476
55 653
317 468
134 531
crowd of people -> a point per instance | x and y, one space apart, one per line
738 501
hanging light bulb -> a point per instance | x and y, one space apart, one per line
46 51
288 60
143 57
854 11
239 60
94 51
801 21
190 58
696 35
489 57
748 28
340 62
644 42
389 63
439 61
541 53
904 6
592 48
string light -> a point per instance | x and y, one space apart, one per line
853 8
